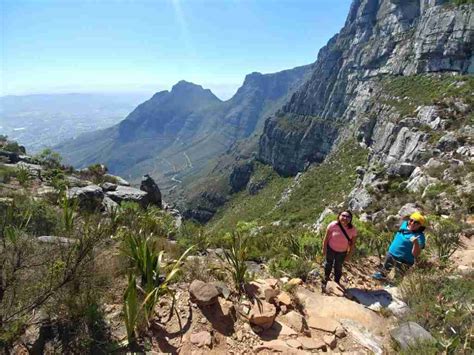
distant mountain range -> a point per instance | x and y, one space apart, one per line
37 121
176 134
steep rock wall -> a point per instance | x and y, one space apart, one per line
380 37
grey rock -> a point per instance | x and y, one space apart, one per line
202 293
108 186
89 197
223 289
448 142
151 188
361 335
433 163
109 205
407 210
240 176
27 159
199 214
34 169
428 115
10 157
410 333
50 239
255 185
359 199
318 224
379 299
419 180
292 141
360 171
401 169
467 151
131 194
379 38
120 181
45 190
406 146
74 181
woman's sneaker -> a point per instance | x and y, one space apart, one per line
378 276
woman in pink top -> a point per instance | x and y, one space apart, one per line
338 245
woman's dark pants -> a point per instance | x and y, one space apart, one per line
391 261
336 259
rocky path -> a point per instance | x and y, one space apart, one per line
286 316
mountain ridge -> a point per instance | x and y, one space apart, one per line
179 131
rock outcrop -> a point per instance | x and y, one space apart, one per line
151 188
379 38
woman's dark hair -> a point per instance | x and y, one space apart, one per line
350 214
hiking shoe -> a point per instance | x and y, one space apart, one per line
378 276
323 287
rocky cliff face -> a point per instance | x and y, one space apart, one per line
380 38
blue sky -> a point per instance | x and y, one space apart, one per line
147 45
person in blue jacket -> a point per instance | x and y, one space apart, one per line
406 245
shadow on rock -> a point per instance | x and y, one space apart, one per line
370 298
222 317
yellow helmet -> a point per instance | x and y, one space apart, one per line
417 216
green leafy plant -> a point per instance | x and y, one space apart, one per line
23 175
235 257
443 305
69 207
155 276
131 308
49 159
444 236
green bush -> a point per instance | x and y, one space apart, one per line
236 255
291 266
49 159
443 305
23 175
445 236
6 173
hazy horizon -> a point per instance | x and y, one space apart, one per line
58 47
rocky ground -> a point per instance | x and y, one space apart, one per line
285 316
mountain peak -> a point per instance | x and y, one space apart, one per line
186 85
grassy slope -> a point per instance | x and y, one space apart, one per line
322 185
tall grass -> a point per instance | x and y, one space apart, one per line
235 257
155 274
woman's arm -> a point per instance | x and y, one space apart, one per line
416 248
325 242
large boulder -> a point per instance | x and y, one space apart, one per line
130 194
359 199
202 293
9 157
319 305
448 142
409 334
151 188
428 115
419 180
262 314
117 179
403 170
89 197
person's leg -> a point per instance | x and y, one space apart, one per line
328 264
388 263
338 263
385 268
